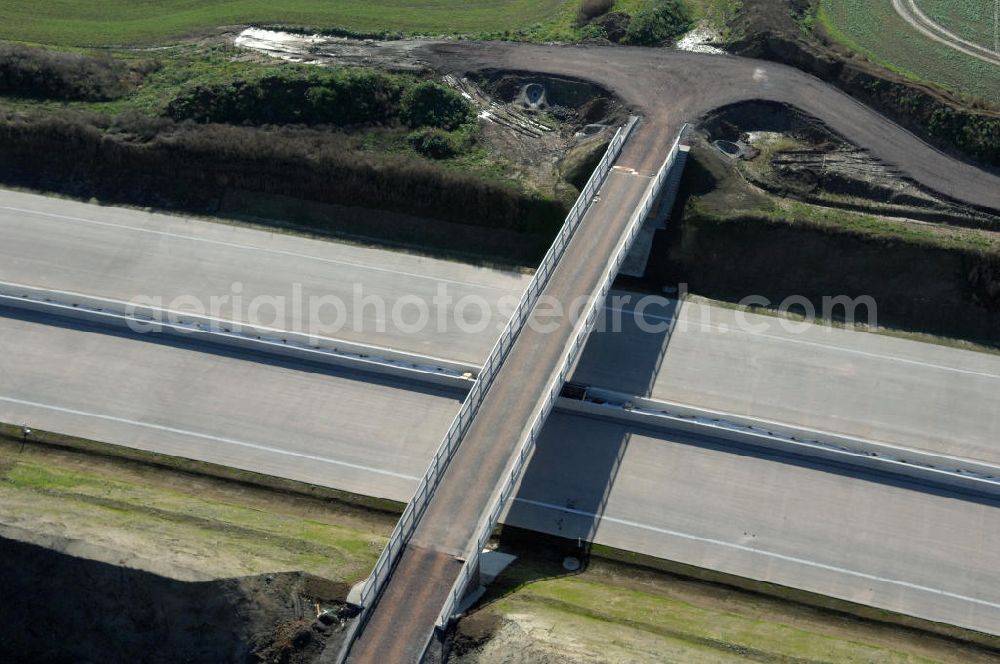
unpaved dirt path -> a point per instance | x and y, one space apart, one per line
670 87
910 12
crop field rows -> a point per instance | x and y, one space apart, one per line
975 20
874 29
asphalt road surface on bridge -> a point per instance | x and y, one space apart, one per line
403 618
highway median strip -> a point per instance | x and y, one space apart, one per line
954 473
297 345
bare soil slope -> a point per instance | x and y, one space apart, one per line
64 608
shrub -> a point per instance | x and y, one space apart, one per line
311 97
591 9
41 74
430 104
193 166
664 21
343 97
433 142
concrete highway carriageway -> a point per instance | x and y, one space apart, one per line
426 566
868 385
802 522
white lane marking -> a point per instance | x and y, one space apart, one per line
762 552
583 513
205 436
815 344
250 247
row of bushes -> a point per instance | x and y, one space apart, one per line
40 74
159 162
339 97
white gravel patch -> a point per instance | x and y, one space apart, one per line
700 40
284 45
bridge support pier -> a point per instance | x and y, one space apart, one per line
488 566
638 256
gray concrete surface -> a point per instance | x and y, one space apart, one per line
861 455
927 555
885 388
930 555
876 386
141 320
349 431
121 253
959 473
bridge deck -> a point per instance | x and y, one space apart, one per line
416 591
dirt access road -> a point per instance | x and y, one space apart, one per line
671 87
667 88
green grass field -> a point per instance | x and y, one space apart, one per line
584 616
873 29
969 19
622 614
103 23
140 22
157 514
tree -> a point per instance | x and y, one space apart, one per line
664 21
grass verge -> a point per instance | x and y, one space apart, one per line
174 516
865 226
829 606
120 23
594 615
627 607
11 434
